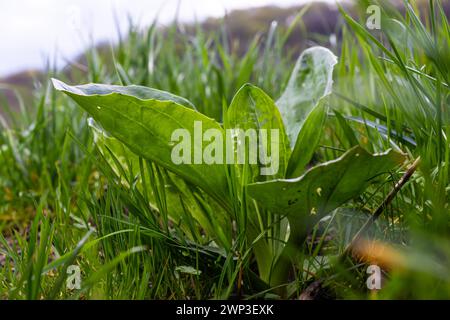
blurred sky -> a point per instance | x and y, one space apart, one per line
33 30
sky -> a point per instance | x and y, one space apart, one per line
31 31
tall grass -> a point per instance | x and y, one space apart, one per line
66 198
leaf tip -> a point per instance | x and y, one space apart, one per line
58 85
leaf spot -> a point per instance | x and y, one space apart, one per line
319 191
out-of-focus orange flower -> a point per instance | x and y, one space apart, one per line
379 253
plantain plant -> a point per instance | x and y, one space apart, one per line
269 216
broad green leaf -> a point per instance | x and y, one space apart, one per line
311 80
181 204
139 92
182 207
306 199
146 126
252 109
107 143
307 140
